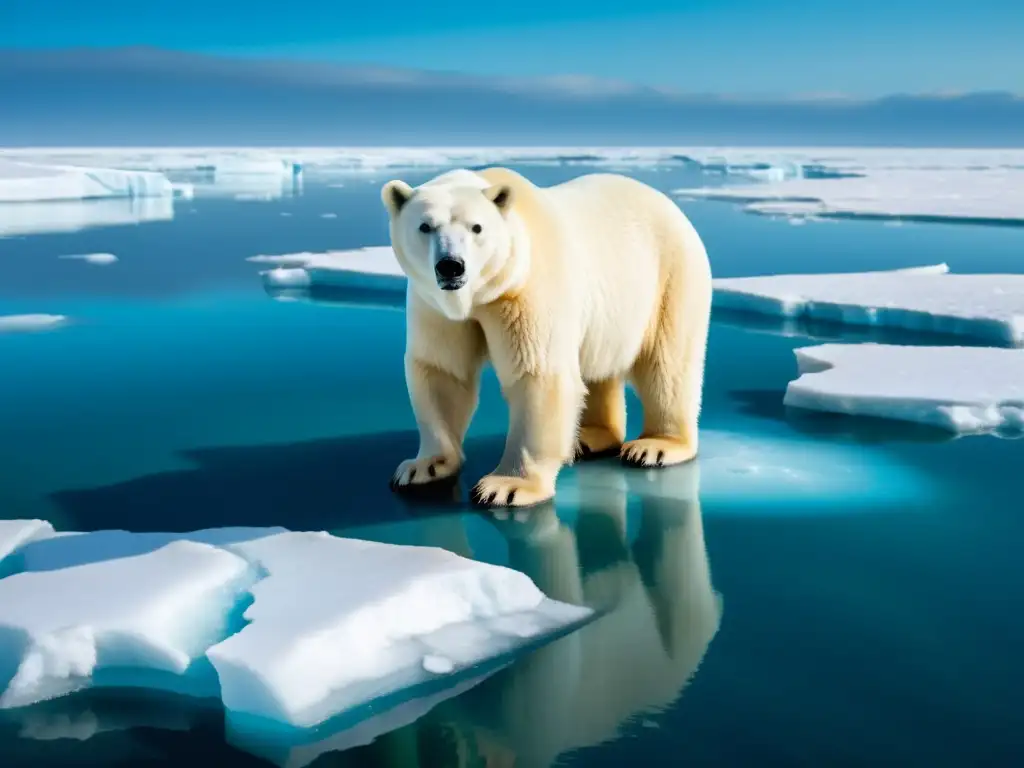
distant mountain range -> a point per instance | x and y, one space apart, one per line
146 96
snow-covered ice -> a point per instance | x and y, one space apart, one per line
153 615
372 267
959 389
99 259
28 182
310 652
32 322
76 215
988 308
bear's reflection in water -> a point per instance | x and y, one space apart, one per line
660 615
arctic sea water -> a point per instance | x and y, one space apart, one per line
866 572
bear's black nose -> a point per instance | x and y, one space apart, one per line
450 268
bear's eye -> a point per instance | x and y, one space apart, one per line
425 228
477 229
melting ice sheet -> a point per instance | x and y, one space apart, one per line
959 389
333 623
987 308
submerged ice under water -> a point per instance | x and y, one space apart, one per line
177 396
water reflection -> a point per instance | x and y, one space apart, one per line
243 186
661 613
75 215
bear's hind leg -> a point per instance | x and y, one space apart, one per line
603 425
668 377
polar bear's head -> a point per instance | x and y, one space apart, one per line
452 237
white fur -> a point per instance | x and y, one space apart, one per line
600 278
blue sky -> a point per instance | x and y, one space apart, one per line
742 47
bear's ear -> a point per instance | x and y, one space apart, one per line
502 196
395 194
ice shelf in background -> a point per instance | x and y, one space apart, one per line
764 163
308 654
959 389
22 182
989 308
372 267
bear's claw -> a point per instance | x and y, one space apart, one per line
414 473
650 452
508 491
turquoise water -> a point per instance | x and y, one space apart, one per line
865 573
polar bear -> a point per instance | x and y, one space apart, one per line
570 292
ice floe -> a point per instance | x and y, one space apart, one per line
987 308
29 182
137 620
308 653
373 267
99 259
986 195
31 322
959 389
163 611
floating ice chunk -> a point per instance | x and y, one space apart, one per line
988 308
25 182
373 267
138 620
960 389
25 323
67 551
338 623
100 259
16 533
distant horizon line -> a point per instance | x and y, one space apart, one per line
569 83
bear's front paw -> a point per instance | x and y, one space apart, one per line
657 452
510 491
414 473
